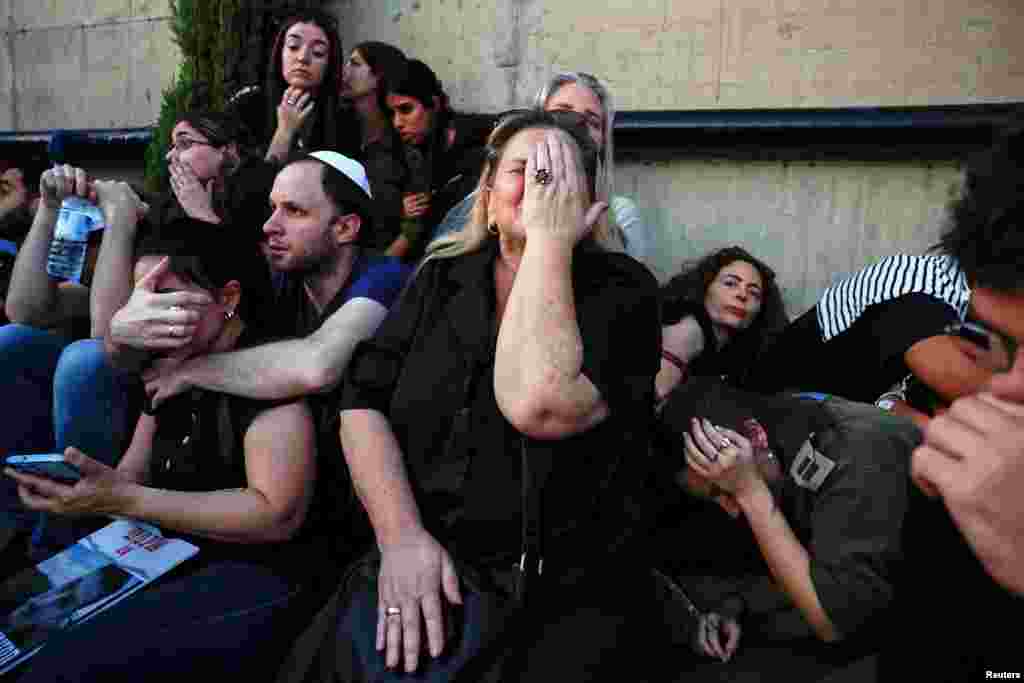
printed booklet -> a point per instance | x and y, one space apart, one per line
87 578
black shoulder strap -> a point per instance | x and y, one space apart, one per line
536 466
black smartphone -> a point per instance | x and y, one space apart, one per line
50 465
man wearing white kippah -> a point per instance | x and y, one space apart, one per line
330 293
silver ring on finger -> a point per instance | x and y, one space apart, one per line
393 612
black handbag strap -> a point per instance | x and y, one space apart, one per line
536 466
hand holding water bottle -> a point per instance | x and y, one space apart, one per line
63 181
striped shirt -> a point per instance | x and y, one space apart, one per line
892 277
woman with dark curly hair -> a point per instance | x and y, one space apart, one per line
717 313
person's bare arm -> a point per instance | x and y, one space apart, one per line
33 297
415 568
136 461
538 378
112 279
685 341
281 369
538 370
280 455
732 467
942 363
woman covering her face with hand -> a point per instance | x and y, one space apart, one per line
234 476
492 428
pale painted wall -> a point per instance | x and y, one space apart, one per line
83 63
813 222
689 54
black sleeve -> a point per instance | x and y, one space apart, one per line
906 320
248 200
621 333
856 516
376 363
386 174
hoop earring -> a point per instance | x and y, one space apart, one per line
228 315
493 229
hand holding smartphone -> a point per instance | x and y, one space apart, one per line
49 465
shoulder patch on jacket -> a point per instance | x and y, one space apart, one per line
810 468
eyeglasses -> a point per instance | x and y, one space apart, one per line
185 144
996 350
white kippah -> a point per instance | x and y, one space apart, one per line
352 169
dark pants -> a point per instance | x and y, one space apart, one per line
56 394
227 621
570 635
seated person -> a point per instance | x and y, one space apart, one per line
819 490
18 204
964 532
521 359
587 96
213 185
872 330
717 313
63 394
296 108
330 294
231 475
443 154
375 143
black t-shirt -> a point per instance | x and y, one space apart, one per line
199 445
430 368
862 362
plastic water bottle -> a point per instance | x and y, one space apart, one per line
75 237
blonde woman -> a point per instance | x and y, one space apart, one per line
494 430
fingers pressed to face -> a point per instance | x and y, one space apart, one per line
193 300
702 441
954 437
553 143
543 159
934 471
571 163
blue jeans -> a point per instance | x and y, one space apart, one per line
58 394
229 620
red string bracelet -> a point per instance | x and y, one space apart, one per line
674 360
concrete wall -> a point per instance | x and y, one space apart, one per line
689 54
814 222
83 63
